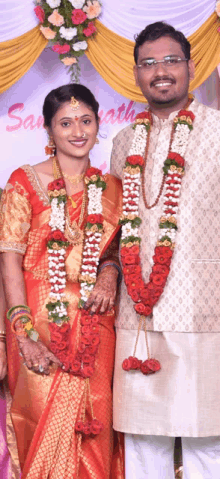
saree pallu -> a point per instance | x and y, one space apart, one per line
45 408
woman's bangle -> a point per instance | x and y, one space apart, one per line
18 317
17 308
111 263
27 328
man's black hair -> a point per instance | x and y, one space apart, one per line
156 30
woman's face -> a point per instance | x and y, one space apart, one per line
74 131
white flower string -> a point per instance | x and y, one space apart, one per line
145 296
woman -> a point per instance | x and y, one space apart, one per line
58 226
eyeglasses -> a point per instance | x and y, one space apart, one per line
168 62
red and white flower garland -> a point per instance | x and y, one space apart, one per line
82 362
145 296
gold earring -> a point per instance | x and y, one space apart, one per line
50 149
97 141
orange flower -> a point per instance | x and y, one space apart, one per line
69 60
92 9
48 33
56 19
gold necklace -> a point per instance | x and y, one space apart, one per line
74 179
73 232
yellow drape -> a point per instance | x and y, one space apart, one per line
112 57
18 55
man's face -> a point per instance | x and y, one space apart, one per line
163 85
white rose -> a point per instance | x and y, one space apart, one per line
77 3
79 46
68 33
53 3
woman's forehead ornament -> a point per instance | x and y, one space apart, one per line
74 103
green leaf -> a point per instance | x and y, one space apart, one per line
130 239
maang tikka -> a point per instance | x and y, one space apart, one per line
74 103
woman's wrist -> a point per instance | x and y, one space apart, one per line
22 322
114 265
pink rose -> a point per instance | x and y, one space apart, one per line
89 30
61 48
39 12
78 16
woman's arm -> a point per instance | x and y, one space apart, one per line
35 353
3 358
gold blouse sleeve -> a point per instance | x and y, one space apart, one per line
15 217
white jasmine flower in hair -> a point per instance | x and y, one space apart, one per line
77 3
53 3
79 46
68 33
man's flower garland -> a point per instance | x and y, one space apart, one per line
68 24
82 362
145 296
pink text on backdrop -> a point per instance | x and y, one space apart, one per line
122 115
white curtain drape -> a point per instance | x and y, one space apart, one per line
16 18
124 17
128 17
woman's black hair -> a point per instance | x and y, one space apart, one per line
56 98
156 30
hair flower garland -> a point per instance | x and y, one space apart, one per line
68 24
146 295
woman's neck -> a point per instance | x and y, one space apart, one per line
73 165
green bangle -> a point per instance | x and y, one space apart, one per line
22 306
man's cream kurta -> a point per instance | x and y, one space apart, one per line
181 399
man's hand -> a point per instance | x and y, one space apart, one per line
102 298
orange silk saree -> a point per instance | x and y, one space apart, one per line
45 409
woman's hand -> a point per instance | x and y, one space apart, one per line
36 355
3 361
102 298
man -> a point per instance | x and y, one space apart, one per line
182 398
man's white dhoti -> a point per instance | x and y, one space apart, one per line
151 457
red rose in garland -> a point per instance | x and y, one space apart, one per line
143 115
187 113
178 158
135 160
93 171
56 184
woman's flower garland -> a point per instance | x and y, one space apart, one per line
68 24
81 363
145 296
